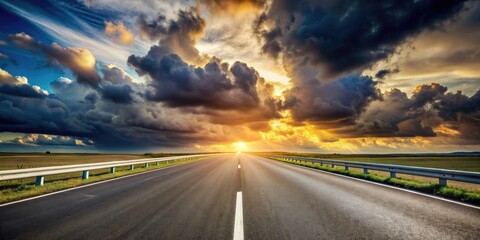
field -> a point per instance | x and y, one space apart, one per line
447 161
11 190
457 162
33 160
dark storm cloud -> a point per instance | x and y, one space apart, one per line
152 30
461 113
179 35
83 115
385 72
215 86
424 94
21 91
453 103
34 115
430 107
324 46
18 86
80 61
394 115
118 94
348 35
338 101
76 110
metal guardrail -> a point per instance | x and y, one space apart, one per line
442 174
41 172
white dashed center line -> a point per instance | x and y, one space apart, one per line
238 228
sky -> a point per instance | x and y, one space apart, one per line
346 76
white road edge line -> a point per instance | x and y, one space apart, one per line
87 185
384 185
238 228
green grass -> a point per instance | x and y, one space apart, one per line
463 163
16 190
431 188
33 160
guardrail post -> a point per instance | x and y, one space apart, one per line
321 164
39 180
365 171
393 175
333 165
146 164
442 182
132 167
85 174
346 168
112 170
156 163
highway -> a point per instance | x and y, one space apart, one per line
201 200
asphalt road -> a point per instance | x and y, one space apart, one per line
198 201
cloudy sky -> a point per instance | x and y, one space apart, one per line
346 76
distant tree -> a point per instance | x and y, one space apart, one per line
47 152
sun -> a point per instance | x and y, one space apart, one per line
240 146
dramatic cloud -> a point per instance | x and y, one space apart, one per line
119 32
80 61
461 115
203 74
385 72
7 78
325 46
450 56
116 75
18 86
43 139
118 94
217 86
430 111
179 35
334 103
152 30
344 36
232 7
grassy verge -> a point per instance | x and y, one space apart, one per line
16 190
431 188
455 162
34 160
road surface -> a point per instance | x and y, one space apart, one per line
201 200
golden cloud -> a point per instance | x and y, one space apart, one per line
119 32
